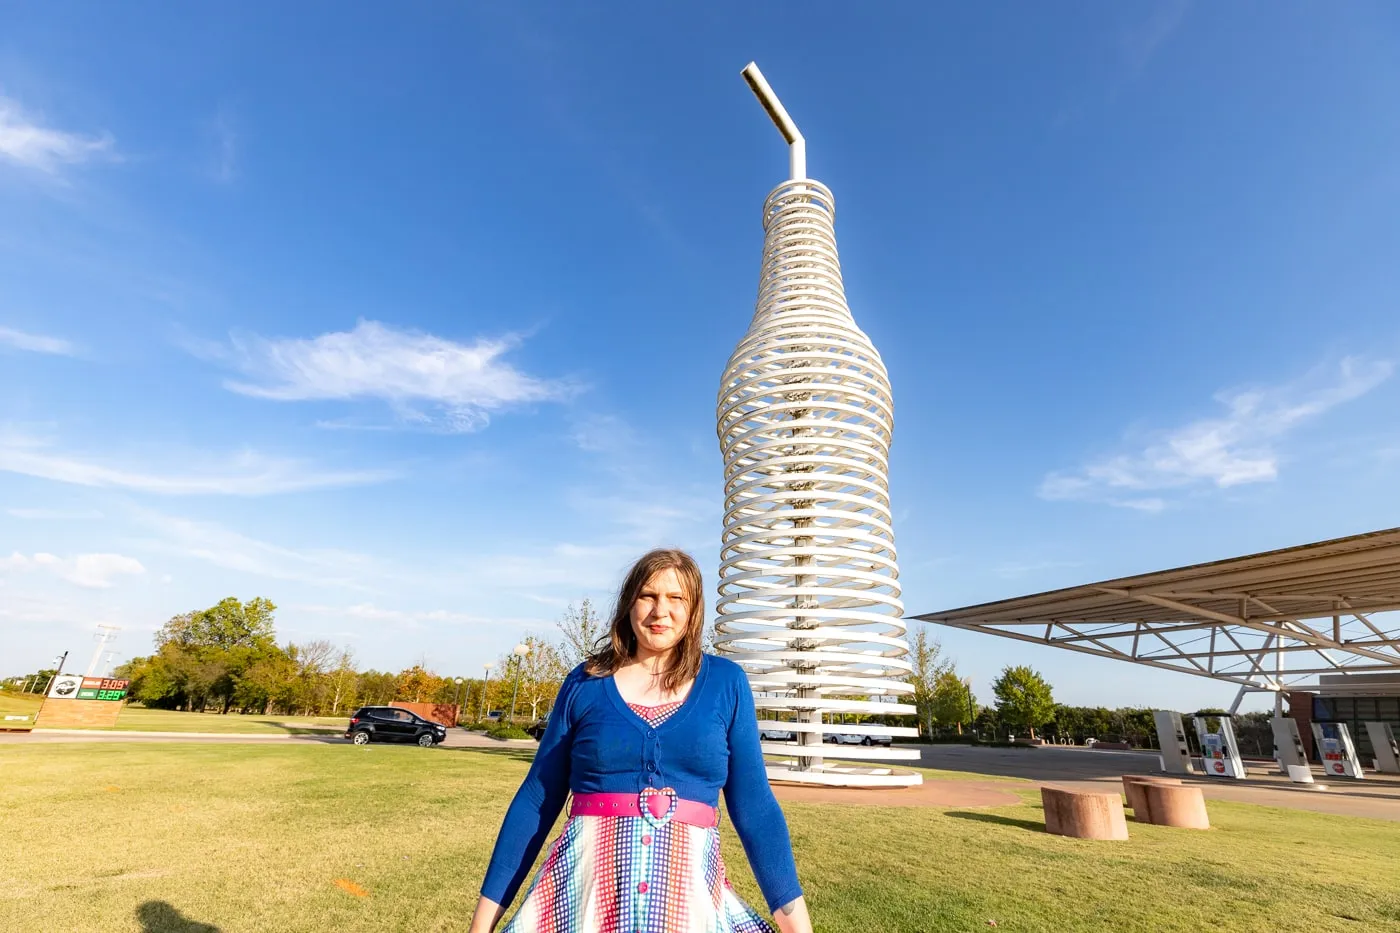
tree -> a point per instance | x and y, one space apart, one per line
928 666
541 673
987 724
38 681
708 644
376 688
313 674
135 671
343 681
230 624
952 701
415 685
201 655
1023 698
269 683
582 629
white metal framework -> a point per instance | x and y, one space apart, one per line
809 593
1267 622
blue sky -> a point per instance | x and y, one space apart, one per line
413 322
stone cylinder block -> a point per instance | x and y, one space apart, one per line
1137 800
1183 806
1083 815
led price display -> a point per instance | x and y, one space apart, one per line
103 688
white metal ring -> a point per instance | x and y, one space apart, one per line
809 582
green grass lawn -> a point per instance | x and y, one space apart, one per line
17 704
140 719
192 838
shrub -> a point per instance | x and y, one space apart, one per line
507 732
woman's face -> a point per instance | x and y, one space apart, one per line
661 613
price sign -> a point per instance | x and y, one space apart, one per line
106 688
76 687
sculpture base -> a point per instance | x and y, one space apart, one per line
845 776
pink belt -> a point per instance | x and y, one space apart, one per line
658 806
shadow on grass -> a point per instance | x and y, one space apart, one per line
160 917
1031 825
510 754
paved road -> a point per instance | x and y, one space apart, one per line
1376 796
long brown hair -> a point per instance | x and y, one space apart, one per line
619 644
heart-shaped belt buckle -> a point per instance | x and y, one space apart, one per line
658 806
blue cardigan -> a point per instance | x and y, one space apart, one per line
596 744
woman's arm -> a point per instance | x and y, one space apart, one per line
790 918
488 914
535 808
759 820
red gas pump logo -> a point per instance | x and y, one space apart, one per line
1220 767
1337 767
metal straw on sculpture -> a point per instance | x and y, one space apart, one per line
809 589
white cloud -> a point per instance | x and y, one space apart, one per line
35 343
1013 569
428 381
223 137
1140 42
244 473
92 571
418 618
53 610
1235 449
28 144
231 550
604 434
55 515
647 514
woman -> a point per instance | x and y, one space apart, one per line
645 734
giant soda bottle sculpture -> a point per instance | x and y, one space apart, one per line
809 587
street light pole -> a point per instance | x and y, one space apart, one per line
458 697
60 661
481 711
518 656
44 700
971 709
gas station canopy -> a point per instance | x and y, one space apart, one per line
1271 621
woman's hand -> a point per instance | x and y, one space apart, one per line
488 914
791 917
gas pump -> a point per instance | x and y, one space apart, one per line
1288 750
1220 753
1338 754
1387 750
1171 737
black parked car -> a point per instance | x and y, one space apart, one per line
391 724
536 729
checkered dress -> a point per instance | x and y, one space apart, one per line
626 874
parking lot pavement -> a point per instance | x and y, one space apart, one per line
1377 795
